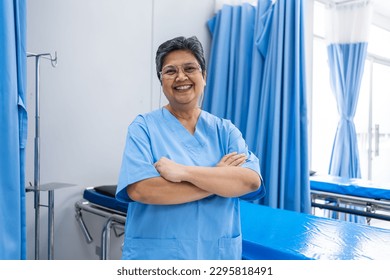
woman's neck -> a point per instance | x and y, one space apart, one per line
188 118
186 115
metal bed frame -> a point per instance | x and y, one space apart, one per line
115 221
342 203
338 195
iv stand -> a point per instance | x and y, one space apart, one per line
37 187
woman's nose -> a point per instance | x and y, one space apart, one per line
181 75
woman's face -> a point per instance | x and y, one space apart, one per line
182 83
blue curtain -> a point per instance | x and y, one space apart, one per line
256 78
13 127
346 63
228 81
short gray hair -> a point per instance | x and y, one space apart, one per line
191 44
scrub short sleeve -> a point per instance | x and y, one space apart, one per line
137 160
238 144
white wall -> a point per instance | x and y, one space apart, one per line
105 76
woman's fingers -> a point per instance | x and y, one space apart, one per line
232 159
240 161
236 160
226 157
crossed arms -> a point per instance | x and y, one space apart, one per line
180 183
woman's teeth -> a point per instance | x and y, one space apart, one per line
183 87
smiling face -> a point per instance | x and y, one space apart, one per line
182 90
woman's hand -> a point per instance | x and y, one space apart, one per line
170 170
224 179
232 159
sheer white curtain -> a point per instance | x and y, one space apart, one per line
220 3
348 21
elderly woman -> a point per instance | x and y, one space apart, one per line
184 169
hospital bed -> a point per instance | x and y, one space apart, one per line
350 196
101 201
275 234
268 233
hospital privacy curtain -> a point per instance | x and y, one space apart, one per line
347 50
256 78
13 128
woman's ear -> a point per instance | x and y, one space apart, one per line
204 77
160 78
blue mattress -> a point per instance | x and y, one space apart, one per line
352 187
275 234
105 196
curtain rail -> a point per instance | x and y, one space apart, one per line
340 3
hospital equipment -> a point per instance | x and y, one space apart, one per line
37 155
101 201
268 233
37 188
351 196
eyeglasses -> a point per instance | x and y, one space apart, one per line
170 72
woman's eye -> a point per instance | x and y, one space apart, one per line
189 69
169 72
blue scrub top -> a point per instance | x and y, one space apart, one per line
205 229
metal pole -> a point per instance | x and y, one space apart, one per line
50 245
369 150
37 160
